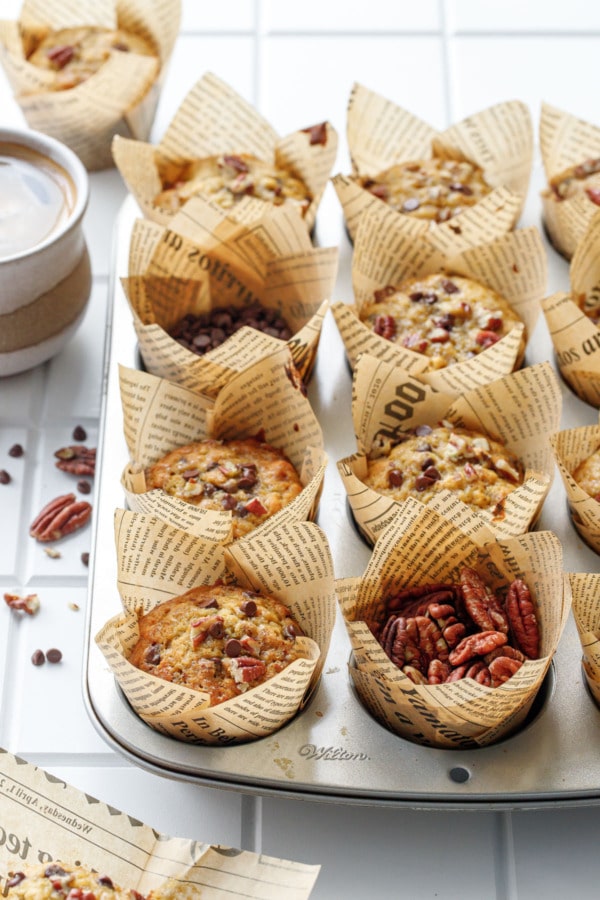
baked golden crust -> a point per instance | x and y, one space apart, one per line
228 177
75 54
479 471
581 178
247 477
587 475
447 318
432 189
56 880
221 639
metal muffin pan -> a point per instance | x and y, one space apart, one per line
334 750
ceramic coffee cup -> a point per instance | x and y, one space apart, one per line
45 274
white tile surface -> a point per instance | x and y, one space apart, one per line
379 16
577 16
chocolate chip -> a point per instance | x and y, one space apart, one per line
38 658
209 603
233 647
249 608
85 559
16 450
79 433
292 631
152 655
216 629
15 879
4 477
53 655
395 478
105 881
426 463
449 286
84 487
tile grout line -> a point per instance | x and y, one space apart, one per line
446 62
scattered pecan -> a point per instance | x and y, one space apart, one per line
29 604
76 459
521 616
60 517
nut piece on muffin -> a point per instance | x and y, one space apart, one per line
433 189
449 319
584 178
226 179
248 477
480 471
221 639
74 54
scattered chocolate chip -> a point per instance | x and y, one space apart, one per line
38 658
84 487
79 433
85 559
4 477
53 655
16 450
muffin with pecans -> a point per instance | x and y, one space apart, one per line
219 639
248 477
447 319
481 472
435 190
56 880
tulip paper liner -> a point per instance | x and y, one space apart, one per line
566 141
571 447
586 613
121 97
499 139
386 253
205 260
575 336
462 714
214 119
265 398
45 818
521 410
280 562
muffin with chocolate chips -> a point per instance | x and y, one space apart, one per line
481 472
433 189
447 319
220 639
53 881
228 177
248 477
584 178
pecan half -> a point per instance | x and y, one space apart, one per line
245 669
523 621
477 644
76 459
502 668
29 604
60 517
481 603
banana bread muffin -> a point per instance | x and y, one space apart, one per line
480 471
227 178
584 177
75 54
55 880
587 475
248 477
447 318
218 638
432 189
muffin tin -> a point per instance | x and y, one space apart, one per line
334 750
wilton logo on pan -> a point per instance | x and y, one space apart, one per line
310 751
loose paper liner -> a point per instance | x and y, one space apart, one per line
521 410
386 253
462 714
498 139
206 259
214 119
571 447
120 98
157 561
586 612
576 338
566 141
159 416
55 821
